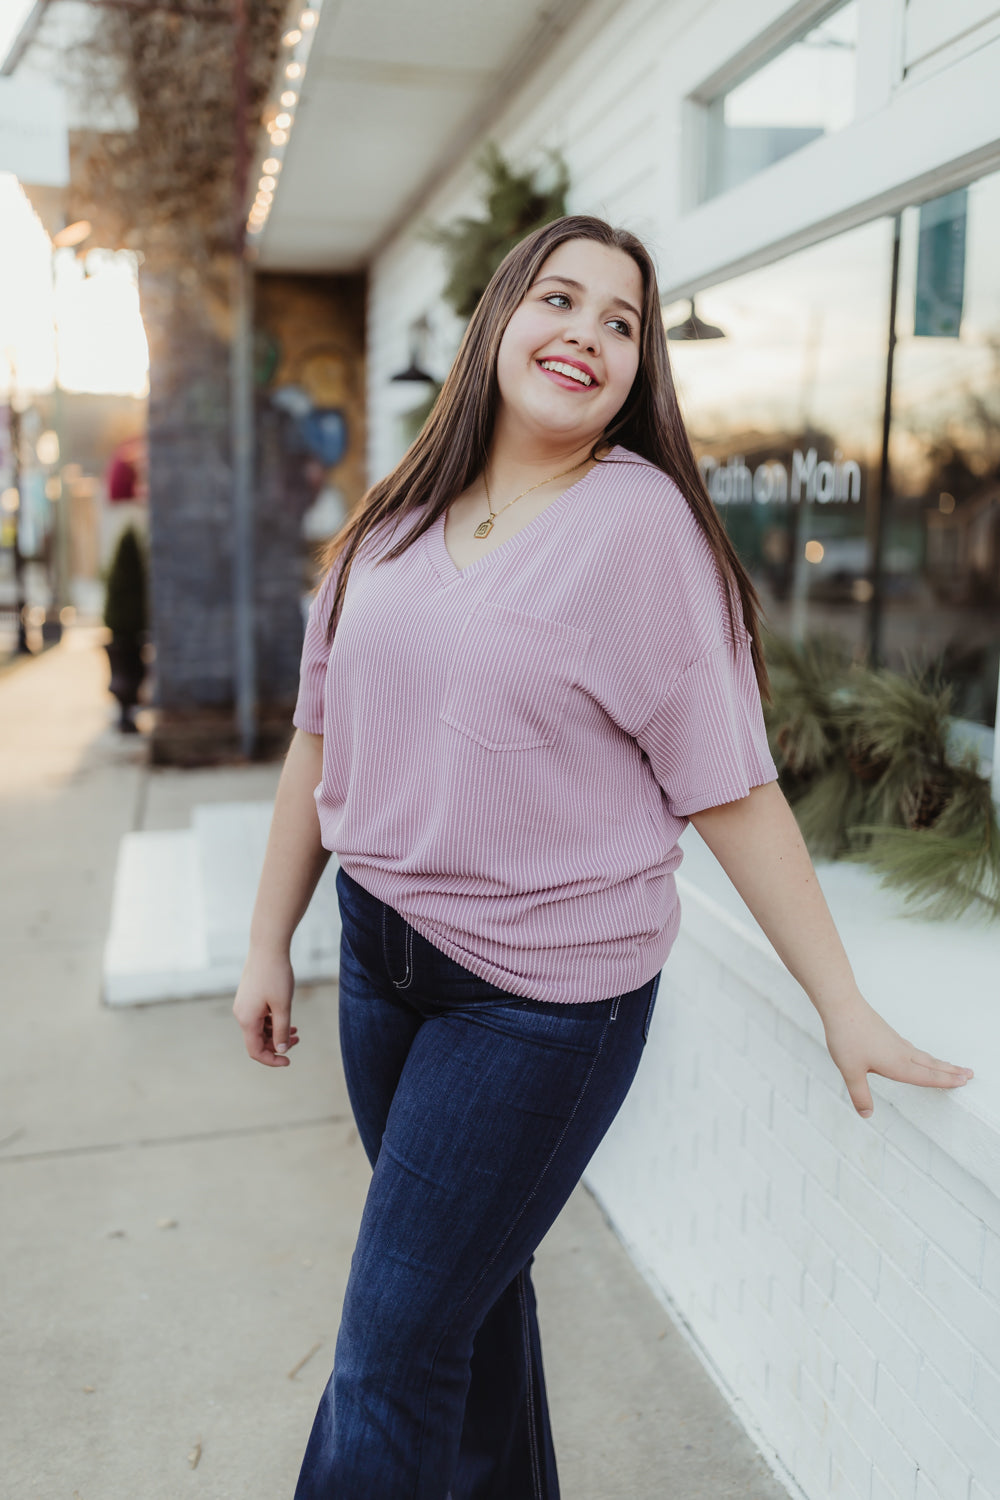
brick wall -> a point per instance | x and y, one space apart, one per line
840 1277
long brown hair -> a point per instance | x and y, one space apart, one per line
454 445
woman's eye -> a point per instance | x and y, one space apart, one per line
562 299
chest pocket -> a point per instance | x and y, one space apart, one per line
510 678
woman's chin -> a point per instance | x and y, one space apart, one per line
554 420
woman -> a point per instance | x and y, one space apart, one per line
534 658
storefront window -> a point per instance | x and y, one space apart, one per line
786 413
945 444
804 92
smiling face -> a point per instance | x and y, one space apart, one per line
570 352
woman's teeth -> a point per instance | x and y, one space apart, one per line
563 369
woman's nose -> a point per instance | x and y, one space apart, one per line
584 335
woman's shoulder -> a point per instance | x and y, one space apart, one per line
648 503
660 566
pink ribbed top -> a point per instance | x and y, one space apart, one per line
511 750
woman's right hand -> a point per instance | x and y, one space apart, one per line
263 1007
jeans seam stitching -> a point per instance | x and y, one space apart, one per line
385 939
407 980
536 1470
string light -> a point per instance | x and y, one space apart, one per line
299 36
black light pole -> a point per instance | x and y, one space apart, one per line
883 504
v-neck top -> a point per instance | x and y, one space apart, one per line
512 749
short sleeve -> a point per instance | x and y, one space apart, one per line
316 648
706 740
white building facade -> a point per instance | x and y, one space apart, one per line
808 174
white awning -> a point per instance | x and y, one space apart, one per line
394 93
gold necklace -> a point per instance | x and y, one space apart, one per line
485 527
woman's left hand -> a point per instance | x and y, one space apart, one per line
861 1042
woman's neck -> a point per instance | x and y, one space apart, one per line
517 460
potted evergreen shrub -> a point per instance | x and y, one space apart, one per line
125 616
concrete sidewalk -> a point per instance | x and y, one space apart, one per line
178 1223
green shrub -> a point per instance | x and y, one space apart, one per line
515 203
862 754
125 607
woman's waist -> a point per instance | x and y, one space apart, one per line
582 909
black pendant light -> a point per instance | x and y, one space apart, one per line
414 371
694 327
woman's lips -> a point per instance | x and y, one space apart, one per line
568 382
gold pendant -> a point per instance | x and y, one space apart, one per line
484 528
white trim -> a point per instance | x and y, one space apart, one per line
933 184
880 55
921 144
765 47
934 30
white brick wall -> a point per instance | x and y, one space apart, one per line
840 1277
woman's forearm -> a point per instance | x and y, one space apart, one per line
295 858
758 843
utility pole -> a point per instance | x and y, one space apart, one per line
241 411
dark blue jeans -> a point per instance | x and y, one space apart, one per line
479 1112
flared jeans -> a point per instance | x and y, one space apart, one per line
478 1111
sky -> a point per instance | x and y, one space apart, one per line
92 302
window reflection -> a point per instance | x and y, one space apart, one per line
945 443
785 412
803 93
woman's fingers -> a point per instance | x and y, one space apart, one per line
910 1065
280 1028
279 1037
934 1075
944 1069
260 1039
263 1008
861 1095
871 1046
260 1047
